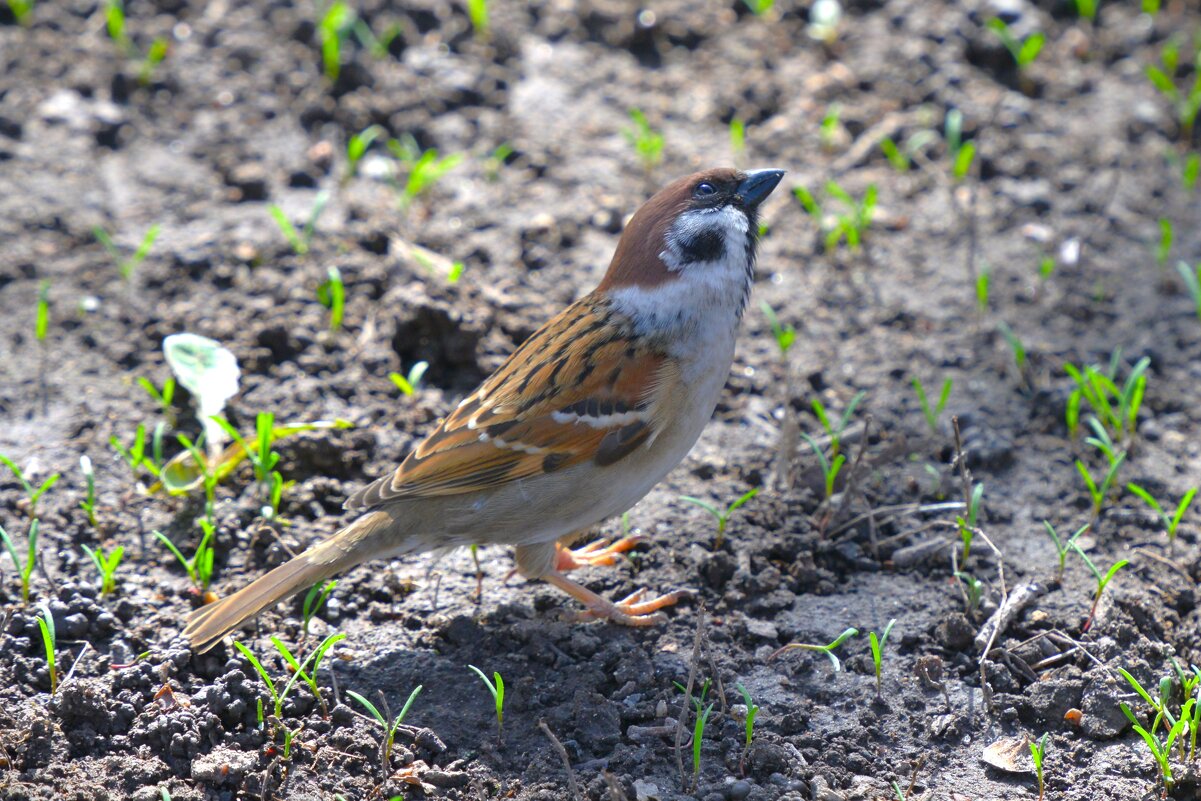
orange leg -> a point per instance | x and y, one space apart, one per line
594 554
629 611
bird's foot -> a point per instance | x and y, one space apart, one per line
629 611
598 553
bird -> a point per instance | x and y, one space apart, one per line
576 426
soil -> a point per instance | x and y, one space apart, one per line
1078 158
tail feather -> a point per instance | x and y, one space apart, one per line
207 625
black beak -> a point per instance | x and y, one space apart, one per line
757 185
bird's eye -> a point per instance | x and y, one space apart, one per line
704 189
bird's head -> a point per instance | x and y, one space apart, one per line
696 236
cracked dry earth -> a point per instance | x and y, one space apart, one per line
1078 158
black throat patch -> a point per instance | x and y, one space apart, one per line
708 245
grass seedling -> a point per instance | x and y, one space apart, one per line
260 454
967 527
830 467
784 334
1024 52
32 493
331 293
1158 705
114 23
209 476
357 145
389 728
46 626
1116 408
200 567
828 650
278 695
497 688
877 646
477 12
759 7
835 432
270 510
1170 522
1162 751
983 290
851 224
41 321
106 566
31 556
314 600
738 138
162 397
899 160
496 160
127 267
331 32
423 168
88 504
1085 9
135 455
1102 580
377 46
1038 750
302 240
455 272
828 132
961 153
748 726
973 592
1189 173
1192 282
22 11
1185 103
1163 248
1062 547
646 141
408 384
1097 492
698 733
154 56
722 516
932 413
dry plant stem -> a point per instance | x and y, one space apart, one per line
614 787
965 475
913 777
852 483
696 653
885 514
571 785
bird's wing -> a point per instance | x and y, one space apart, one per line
579 389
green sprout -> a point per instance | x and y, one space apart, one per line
1189 173
209 476
830 467
1102 580
260 454
46 626
748 726
828 649
314 600
127 267
497 159
646 141
280 695
135 455
154 56
1024 52
423 168
698 733
200 567
477 12
877 646
114 22
331 293
408 384
1098 492
1116 408
1046 267
22 11
357 145
455 272
1163 249
829 126
1185 103
1062 547
1160 750
983 289
759 7
1086 9
1170 521
331 32
106 566
31 556
850 224
300 241
722 516
784 334
835 431
41 320
162 397
1037 751
1158 706
738 137
932 413
497 688
88 504
1192 282
899 160
961 153
270 511
967 527
972 594
389 728
377 46
32 493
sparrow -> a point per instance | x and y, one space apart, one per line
584 418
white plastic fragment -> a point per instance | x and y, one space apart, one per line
210 372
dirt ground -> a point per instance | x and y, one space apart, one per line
1078 157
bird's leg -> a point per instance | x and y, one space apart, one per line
629 611
597 553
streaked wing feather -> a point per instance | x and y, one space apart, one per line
576 390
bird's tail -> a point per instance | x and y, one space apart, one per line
349 547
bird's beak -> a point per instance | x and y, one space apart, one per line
757 185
